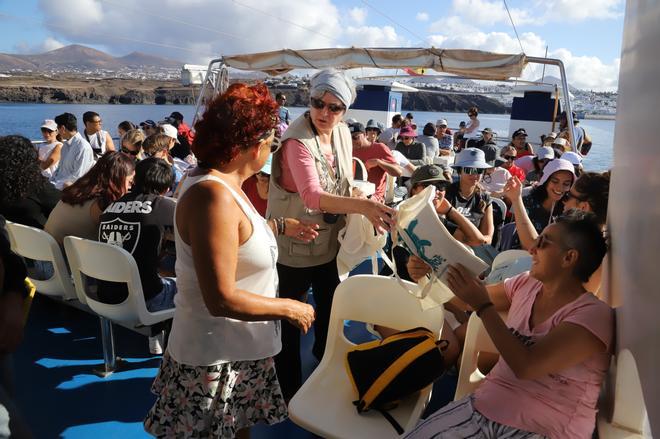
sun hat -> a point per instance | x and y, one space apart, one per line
556 165
407 131
373 125
266 168
552 135
488 130
49 124
427 173
170 131
545 152
350 121
471 158
572 157
441 122
336 82
148 123
561 142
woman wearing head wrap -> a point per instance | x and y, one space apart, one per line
312 180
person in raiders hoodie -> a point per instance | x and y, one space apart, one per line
137 222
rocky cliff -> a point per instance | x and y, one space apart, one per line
70 90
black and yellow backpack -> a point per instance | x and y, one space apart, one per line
385 371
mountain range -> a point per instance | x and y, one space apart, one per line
79 57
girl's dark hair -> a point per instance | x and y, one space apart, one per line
481 207
429 129
595 188
582 232
20 174
127 125
153 176
474 110
105 181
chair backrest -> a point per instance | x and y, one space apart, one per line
476 340
36 244
379 300
507 232
113 264
508 264
629 410
501 205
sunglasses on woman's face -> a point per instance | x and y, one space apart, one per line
473 171
439 185
509 158
130 152
568 195
319 104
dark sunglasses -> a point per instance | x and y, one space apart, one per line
568 195
509 158
472 171
439 185
332 108
355 136
543 242
128 151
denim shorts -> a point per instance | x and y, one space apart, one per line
164 299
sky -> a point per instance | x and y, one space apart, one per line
586 34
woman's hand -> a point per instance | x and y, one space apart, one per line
444 206
417 268
467 287
300 315
381 216
513 188
300 230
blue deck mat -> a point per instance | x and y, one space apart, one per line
59 396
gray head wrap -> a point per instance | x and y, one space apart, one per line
336 82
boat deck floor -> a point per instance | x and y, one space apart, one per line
59 395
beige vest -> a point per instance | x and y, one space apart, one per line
281 203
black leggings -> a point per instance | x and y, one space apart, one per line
294 283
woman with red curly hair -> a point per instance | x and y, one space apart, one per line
218 376
79 211
312 179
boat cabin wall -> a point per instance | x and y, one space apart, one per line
378 103
534 112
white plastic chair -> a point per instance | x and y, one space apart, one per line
629 412
114 264
323 405
508 264
476 340
38 245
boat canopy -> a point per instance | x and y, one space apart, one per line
475 64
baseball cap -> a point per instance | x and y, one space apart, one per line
545 152
427 173
49 124
148 123
441 122
356 127
488 130
170 131
176 116
518 132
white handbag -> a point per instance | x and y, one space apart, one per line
358 241
367 187
422 233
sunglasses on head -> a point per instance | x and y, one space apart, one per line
332 108
473 171
509 158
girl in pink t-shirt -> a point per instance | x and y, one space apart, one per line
555 345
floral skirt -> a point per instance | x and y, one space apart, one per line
214 401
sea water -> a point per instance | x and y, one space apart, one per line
26 119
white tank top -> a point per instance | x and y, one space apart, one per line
198 338
96 140
44 151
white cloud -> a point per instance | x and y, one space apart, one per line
358 15
451 25
247 25
585 72
372 36
556 10
46 45
422 16
488 13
